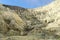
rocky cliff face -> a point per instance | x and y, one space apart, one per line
17 23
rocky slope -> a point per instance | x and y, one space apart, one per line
17 23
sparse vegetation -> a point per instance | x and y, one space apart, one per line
18 23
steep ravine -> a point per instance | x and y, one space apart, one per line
17 23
